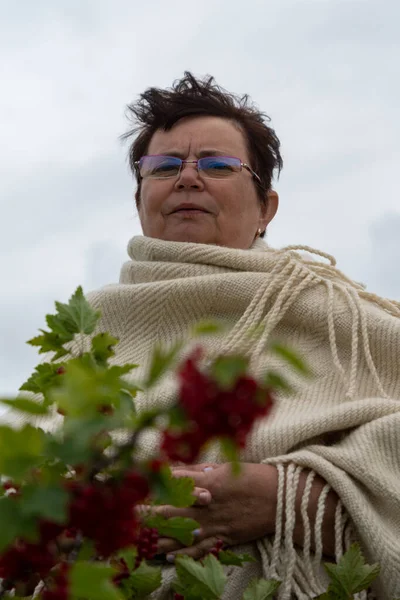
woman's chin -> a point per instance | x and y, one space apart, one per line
194 235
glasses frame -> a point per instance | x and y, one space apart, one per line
182 161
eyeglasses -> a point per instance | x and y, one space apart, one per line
158 166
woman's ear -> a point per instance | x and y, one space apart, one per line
270 209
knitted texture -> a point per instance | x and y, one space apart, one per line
342 424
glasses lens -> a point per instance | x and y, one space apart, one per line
159 167
218 167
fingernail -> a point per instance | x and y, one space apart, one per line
196 532
170 558
208 469
204 496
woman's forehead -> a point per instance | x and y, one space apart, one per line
197 134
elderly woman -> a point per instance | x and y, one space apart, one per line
323 470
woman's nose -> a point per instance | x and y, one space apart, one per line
189 177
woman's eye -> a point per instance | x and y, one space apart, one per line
220 166
161 168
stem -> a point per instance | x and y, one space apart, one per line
104 461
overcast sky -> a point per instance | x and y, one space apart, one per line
326 71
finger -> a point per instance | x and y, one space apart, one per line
203 496
196 551
198 467
199 477
166 545
167 511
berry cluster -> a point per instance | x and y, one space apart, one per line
213 412
22 559
146 544
104 511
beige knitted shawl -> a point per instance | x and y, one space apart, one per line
343 424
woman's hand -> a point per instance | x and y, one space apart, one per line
241 509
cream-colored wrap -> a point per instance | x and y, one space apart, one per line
343 424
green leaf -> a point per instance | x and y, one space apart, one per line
51 342
146 418
9 518
78 316
208 327
103 347
177 418
227 557
290 357
351 574
20 450
205 581
92 581
48 502
87 551
179 528
25 405
144 580
86 386
261 589
275 381
13 524
43 378
226 370
161 362
231 453
129 556
176 491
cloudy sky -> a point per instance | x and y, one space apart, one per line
326 71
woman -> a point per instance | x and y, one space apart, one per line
323 470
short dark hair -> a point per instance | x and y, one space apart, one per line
162 108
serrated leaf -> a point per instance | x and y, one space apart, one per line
78 316
261 589
227 557
25 405
51 342
49 502
351 574
176 491
20 450
161 362
178 528
87 386
206 581
208 327
43 378
144 580
103 347
93 580
291 357
58 327
226 370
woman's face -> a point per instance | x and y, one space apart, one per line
232 211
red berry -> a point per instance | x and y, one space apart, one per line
156 465
111 502
61 371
